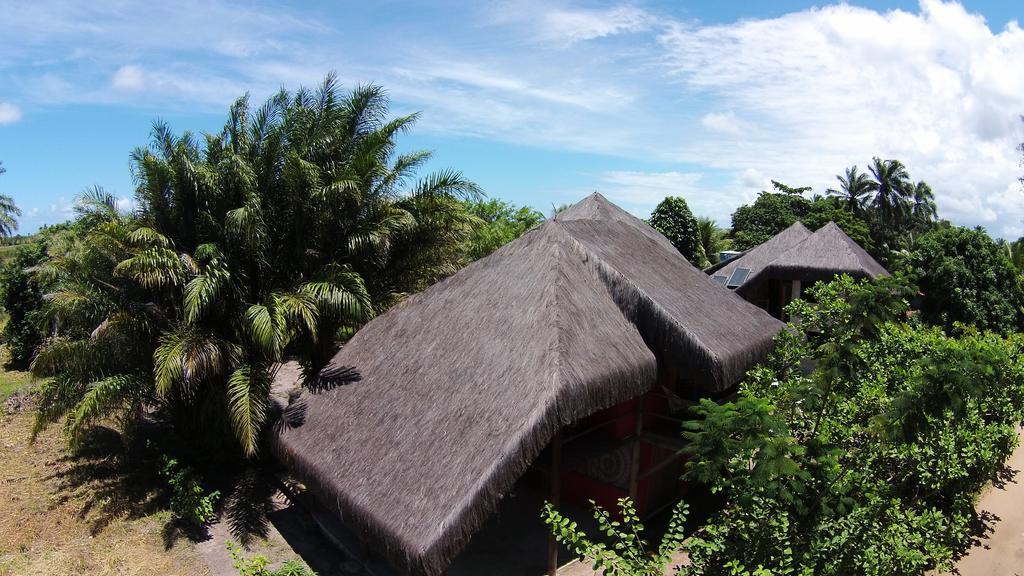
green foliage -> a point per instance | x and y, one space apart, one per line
966 277
190 503
273 238
882 210
502 223
867 463
825 210
1015 251
672 217
8 212
712 239
21 296
626 553
770 214
258 565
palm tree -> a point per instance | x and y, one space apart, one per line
712 239
276 237
1015 250
854 189
891 206
8 212
924 211
105 324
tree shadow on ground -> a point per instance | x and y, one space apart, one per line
983 524
110 484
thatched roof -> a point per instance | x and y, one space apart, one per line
797 253
826 253
464 384
756 258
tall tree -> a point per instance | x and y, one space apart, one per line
891 204
854 189
9 212
672 217
770 214
923 212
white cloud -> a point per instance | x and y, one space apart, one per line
571 26
129 77
724 123
125 204
834 86
9 113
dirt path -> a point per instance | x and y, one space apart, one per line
1001 553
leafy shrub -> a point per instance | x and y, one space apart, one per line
966 277
870 463
190 503
628 554
257 565
21 297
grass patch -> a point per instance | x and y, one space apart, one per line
11 382
80 514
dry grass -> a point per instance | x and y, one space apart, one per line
80 515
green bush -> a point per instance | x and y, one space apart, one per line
190 503
257 565
868 464
967 277
627 554
21 297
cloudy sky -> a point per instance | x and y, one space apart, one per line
543 102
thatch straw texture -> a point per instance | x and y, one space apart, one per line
761 255
464 384
826 253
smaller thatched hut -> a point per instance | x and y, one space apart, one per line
776 272
466 383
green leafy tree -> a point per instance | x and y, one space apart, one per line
502 223
672 217
275 237
827 210
22 298
9 213
626 553
966 277
770 214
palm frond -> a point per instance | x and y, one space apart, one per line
203 291
247 390
154 268
188 356
104 398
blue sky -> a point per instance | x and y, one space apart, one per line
543 102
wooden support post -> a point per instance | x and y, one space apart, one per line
555 486
634 470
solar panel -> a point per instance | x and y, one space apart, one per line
719 279
739 276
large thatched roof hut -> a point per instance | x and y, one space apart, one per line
464 384
773 273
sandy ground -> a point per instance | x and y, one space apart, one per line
1001 553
